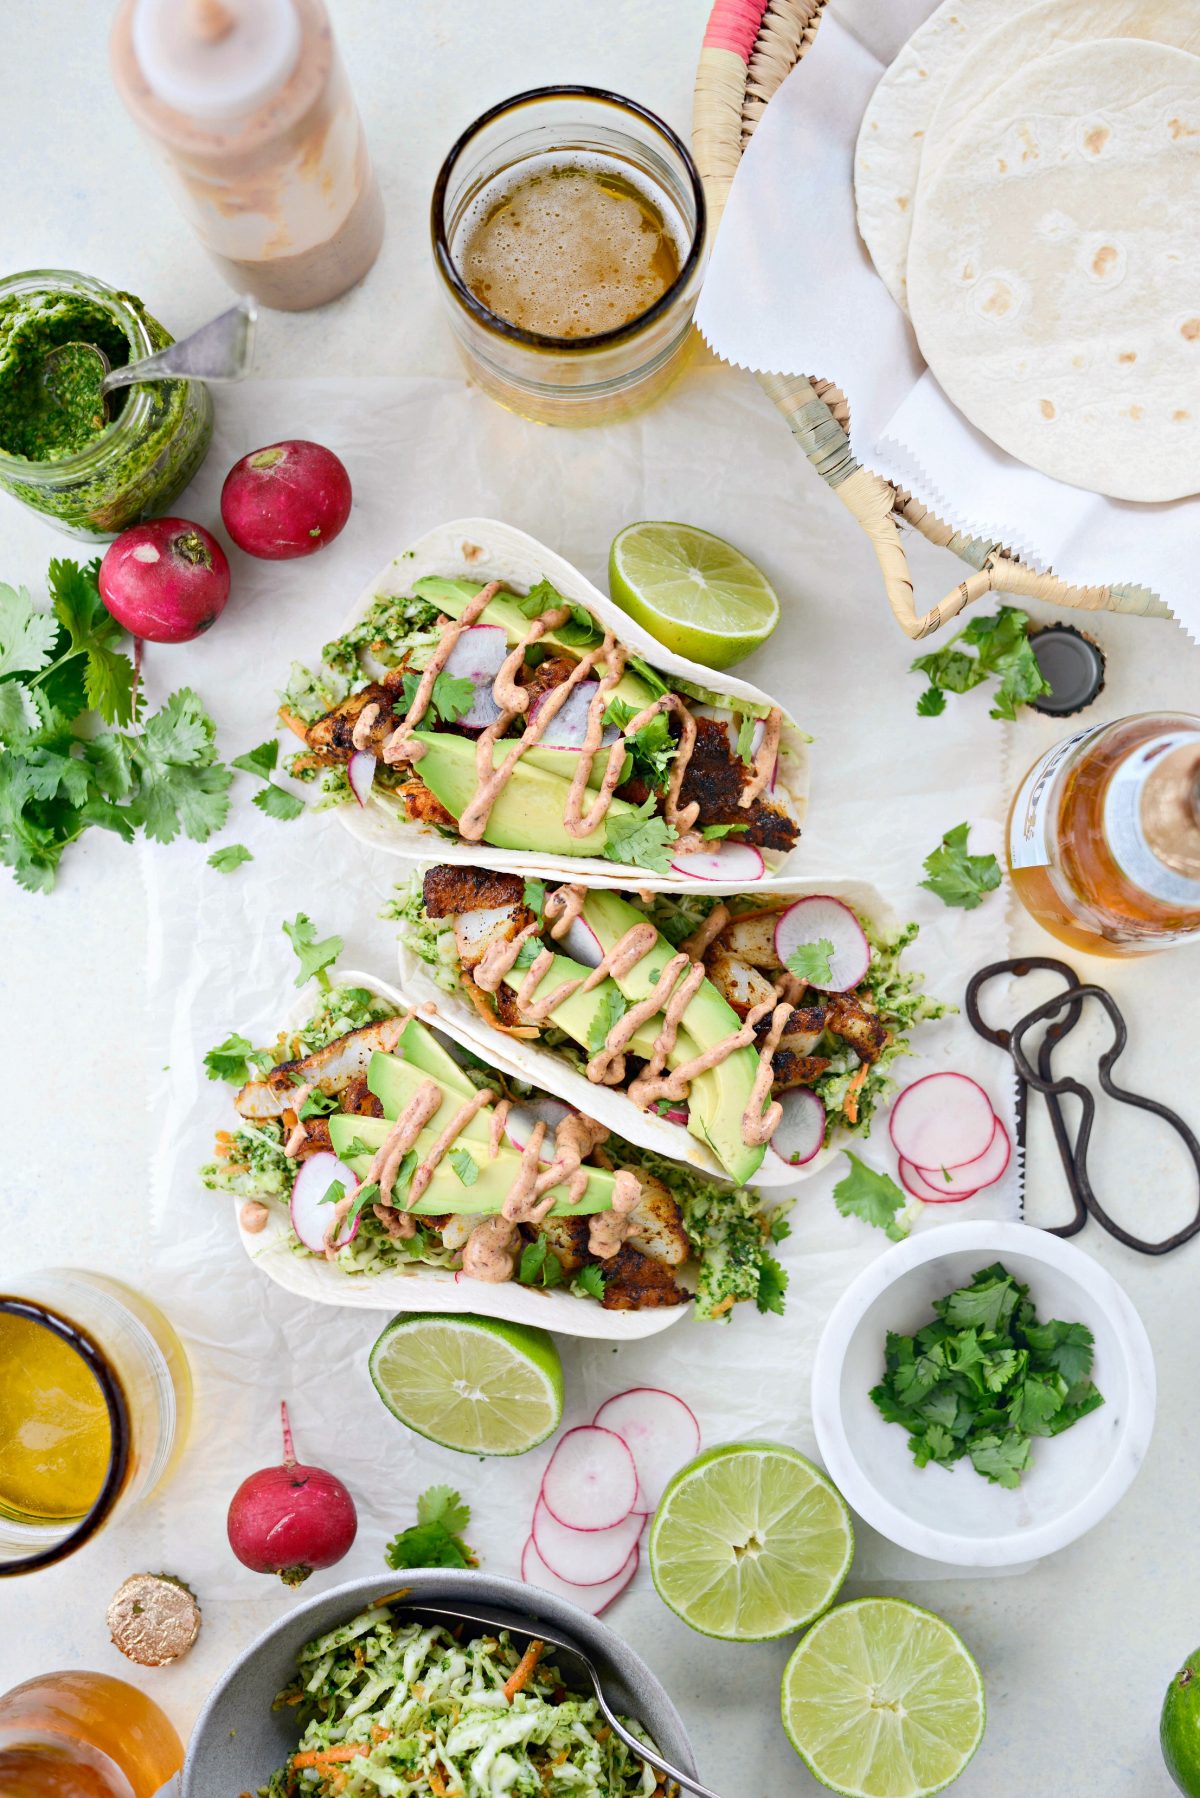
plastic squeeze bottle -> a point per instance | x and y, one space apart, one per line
248 104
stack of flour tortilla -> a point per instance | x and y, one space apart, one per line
1027 180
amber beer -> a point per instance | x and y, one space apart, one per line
568 230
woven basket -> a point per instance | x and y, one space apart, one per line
750 47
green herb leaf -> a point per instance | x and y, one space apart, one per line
1002 649
27 636
442 1504
314 956
535 896
452 696
873 1197
261 761
334 1193
745 739
528 953
228 1060
957 877
772 1286
180 783
539 1265
590 1280
810 961
365 1194
317 1105
610 1008
434 1540
230 857
278 803
641 838
465 1166
655 682
931 703
712 831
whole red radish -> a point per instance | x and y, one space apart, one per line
292 1519
166 580
289 499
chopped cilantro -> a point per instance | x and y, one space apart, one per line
317 1105
435 1539
957 877
539 1265
334 1193
654 681
314 956
983 1378
1002 648
874 1197
772 1286
528 953
810 961
278 803
452 696
610 1007
260 761
590 1280
535 896
640 837
465 1166
236 1060
231 857
364 1195
650 749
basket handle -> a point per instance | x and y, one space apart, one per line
880 509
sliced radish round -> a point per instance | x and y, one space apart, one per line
581 943
478 657
676 1114
568 727
584 1557
728 862
801 1130
360 772
311 1217
660 1432
522 1120
591 1482
966 1177
915 1183
941 1120
819 918
724 718
592 1599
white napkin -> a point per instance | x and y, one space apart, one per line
791 290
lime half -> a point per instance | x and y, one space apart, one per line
883 1700
750 1541
692 591
470 1383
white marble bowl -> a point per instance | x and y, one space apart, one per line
954 1514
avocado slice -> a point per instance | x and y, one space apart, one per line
421 1049
719 1096
453 598
395 1081
528 814
446 1192
579 1010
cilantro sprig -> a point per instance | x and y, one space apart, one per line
1001 648
984 1379
957 877
650 750
435 1540
810 961
274 800
873 1197
61 674
640 837
451 698
314 957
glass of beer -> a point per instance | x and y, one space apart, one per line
569 237
84 1735
95 1398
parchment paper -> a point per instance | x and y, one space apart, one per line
886 784
791 289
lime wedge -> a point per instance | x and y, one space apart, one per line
750 1541
692 591
470 1383
882 1700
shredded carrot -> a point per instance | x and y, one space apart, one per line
290 1120
379 1733
293 722
522 1673
329 1757
725 1304
850 1104
437 1784
391 1597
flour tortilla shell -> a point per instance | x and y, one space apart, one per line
887 157
1052 269
1039 31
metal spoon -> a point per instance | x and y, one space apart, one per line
221 350
520 1626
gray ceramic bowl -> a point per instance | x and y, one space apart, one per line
239 1740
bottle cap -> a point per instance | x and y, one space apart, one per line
1073 665
216 59
153 1618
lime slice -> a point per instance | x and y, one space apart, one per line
470 1383
882 1700
750 1541
692 591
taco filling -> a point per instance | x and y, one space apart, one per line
752 1023
521 721
423 1156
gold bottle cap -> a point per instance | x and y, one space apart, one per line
1170 810
154 1619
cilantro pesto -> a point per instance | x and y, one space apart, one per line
390 1709
94 467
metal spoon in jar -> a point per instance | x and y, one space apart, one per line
221 350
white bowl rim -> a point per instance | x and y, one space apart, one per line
993 1239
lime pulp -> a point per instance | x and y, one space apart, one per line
475 1384
693 592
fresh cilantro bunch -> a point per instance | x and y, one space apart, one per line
61 676
985 1378
1001 648
435 1539
957 877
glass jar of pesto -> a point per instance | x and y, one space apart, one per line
89 475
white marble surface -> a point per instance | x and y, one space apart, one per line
1075 1653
